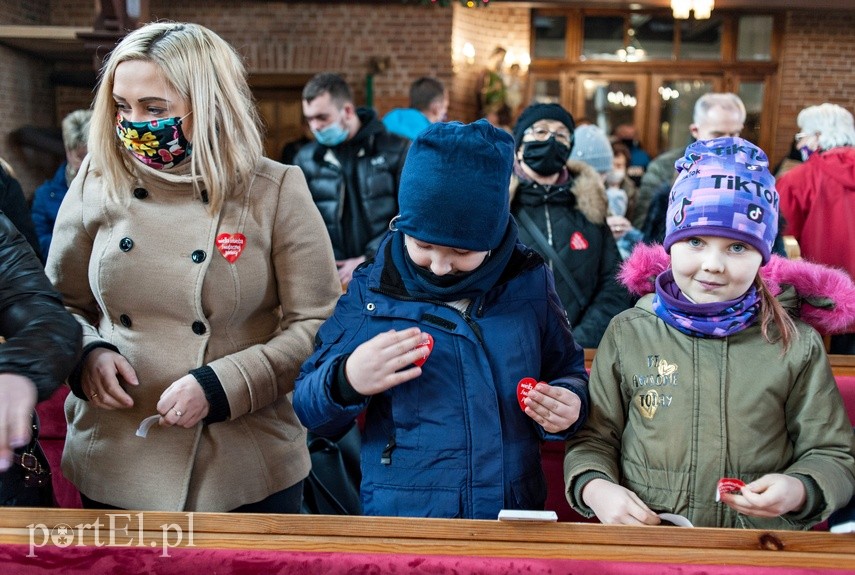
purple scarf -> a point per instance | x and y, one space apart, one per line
719 319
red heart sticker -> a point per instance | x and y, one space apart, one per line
728 485
525 385
427 347
578 242
231 246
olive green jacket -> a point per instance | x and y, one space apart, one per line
671 414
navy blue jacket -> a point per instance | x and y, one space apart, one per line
46 202
453 442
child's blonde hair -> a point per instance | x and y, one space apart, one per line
207 72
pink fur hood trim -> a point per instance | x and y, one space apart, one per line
827 295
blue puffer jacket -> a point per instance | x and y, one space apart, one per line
454 442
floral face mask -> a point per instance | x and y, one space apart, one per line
159 144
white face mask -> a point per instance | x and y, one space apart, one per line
615 177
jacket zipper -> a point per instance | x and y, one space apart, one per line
386 455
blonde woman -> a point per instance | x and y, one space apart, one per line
200 272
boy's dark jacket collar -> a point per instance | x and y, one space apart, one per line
386 278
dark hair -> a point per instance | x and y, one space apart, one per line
620 149
424 91
328 83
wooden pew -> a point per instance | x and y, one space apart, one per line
332 543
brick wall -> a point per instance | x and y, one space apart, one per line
485 29
816 67
25 94
306 38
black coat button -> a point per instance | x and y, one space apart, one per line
199 328
140 193
125 244
125 319
198 256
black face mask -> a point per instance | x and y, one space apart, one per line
545 158
628 142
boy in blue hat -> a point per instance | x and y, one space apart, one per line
433 337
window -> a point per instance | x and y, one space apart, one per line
755 38
603 37
550 33
701 39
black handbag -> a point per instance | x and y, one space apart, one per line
332 487
27 482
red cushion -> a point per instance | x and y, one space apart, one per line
846 384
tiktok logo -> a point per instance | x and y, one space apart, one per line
755 213
680 216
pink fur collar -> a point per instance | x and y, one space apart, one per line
827 295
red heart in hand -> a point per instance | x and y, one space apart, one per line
728 485
525 385
427 347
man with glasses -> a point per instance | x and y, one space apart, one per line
560 206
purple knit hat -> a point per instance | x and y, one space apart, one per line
724 189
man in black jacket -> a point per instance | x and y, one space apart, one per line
42 340
353 168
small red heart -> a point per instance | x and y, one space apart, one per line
728 485
427 344
231 245
525 385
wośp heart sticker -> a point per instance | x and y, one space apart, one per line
525 385
231 245
728 485
426 346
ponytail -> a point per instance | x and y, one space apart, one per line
772 312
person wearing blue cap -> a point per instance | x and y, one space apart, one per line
710 399
435 338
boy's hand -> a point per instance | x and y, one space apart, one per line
770 496
615 504
554 408
379 363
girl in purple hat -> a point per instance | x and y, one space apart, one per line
709 399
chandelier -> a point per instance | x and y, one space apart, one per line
680 9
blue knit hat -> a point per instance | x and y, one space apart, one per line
454 186
724 189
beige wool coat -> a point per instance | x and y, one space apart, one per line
144 274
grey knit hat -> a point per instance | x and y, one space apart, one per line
592 146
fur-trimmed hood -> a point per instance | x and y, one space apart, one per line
826 296
587 186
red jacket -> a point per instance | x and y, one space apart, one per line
818 202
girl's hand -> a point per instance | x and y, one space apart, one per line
183 403
772 495
554 408
381 362
100 379
615 504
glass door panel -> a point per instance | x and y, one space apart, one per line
752 94
611 100
676 103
